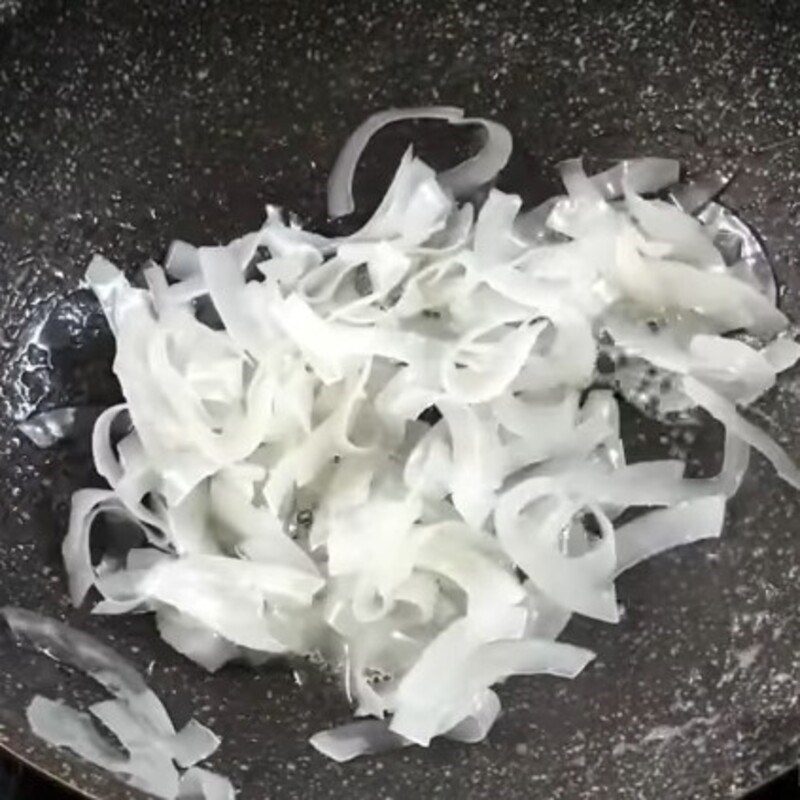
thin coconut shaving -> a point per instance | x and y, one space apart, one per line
400 451
153 756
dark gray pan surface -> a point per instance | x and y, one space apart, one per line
123 125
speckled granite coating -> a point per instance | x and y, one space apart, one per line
123 125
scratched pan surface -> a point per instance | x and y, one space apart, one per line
123 125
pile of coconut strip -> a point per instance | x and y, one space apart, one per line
398 452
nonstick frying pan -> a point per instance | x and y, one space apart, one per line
124 125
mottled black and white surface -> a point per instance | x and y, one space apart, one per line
123 125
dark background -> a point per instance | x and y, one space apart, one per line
20 783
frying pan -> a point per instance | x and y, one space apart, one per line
124 125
